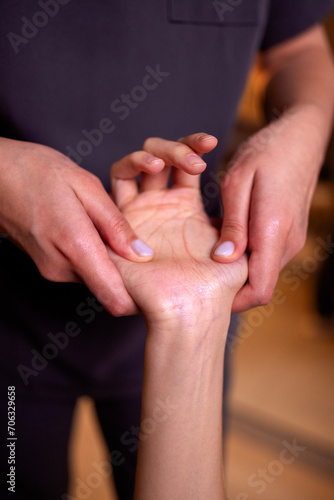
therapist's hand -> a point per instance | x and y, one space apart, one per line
267 191
61 216
181 282
266 196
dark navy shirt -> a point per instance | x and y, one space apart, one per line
94 80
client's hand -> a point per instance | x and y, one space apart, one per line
181 279
186 298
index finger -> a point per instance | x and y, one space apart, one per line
123 174
184 155
82 245
266 250
200 143
260 286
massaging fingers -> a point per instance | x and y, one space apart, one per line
184 155
200 144
124 172
154 165
176 154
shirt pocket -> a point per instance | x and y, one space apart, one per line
215 12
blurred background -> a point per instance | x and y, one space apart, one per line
280 439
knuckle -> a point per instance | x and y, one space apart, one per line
92 180
264 296
116 301
229 187
134 157
294 249
68 238
295 239
53 272
72 244
119 227
113 167
120 308
199 135
148 143
233 225
232 177
77 241
179 148
275 228
300 241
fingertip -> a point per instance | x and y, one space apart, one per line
117 301
141 249
153 160
224 249
227 251
153 164
194 164
200 142
207 142
134 250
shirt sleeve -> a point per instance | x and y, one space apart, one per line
288 18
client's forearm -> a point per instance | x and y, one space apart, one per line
180 452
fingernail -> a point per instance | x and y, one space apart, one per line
195 160
205 137
152 159
225 249
141 248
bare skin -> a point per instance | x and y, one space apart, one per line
269 187
186 299
63 218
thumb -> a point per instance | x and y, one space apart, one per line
236 195
118 234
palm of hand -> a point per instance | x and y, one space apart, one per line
181 278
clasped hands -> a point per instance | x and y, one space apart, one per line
180 280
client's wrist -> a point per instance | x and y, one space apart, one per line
188 329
